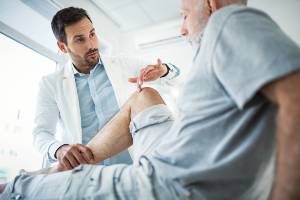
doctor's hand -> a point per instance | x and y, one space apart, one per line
70 156
149 73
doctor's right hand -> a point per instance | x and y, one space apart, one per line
149 73
70 156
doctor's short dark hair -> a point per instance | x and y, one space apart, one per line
64 18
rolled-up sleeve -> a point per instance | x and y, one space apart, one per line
261 54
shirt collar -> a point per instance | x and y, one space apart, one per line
76 72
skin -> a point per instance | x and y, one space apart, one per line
149 73
194 18
283 92
82 45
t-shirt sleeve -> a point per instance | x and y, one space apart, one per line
251 51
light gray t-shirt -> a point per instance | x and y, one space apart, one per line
224 136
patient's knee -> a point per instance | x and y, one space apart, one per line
148 93
146 98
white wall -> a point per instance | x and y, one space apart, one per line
285 12
16 15
178 53
105 28
29 23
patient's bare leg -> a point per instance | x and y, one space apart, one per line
115 136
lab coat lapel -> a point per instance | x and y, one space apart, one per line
72 110
111 68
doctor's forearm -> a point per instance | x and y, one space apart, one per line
113 138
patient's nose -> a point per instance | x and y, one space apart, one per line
183 32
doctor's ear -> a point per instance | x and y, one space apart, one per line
62 46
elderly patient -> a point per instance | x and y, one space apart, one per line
239 104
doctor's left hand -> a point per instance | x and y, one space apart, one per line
149 73
70 156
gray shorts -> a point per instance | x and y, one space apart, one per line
148 129
137 181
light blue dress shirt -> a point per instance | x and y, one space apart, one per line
98 105
97 101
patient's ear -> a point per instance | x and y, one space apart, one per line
213 5
62 46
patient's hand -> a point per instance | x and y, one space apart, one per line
57 168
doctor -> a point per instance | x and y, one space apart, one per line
84 95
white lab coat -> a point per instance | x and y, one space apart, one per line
57 101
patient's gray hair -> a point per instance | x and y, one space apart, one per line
226 2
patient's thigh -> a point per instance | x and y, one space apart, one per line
45 186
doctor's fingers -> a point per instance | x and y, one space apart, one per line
140 80
141 74
72 157
133 79
79 156
150 68
72 160
65 162
151 76
86 152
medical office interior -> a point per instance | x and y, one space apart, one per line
146 29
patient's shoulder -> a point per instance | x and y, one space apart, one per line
238 19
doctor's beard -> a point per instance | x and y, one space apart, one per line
92 57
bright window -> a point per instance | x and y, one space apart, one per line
21 71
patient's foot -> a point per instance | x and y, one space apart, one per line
57 168
50 170
2 187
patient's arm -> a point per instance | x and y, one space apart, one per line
285 93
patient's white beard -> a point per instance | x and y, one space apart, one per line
196 42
